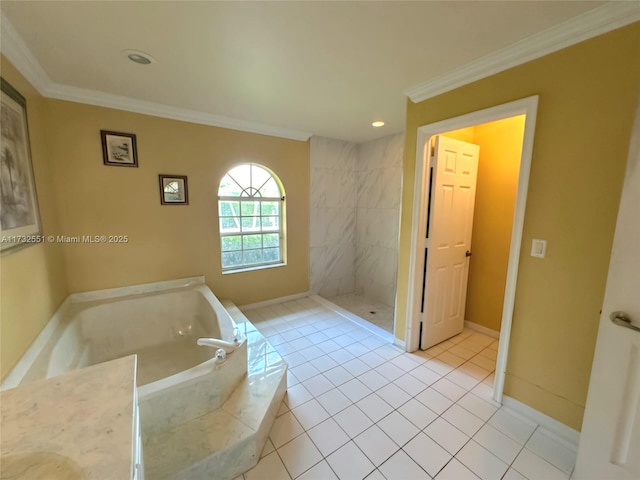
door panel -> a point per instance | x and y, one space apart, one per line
456 289
454 171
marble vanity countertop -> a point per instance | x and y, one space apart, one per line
79 425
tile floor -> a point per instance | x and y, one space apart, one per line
358 407
377 313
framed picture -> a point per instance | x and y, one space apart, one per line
173 190
19 214
119 149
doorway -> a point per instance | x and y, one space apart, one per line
419 264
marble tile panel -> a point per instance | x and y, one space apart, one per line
393 150
341 261
317 267
328 289
347 156
340 226
365 178
371 154
389 218
347 284
348 189
317 226
331 153
344 176
375 189
318 193
361 224
332 187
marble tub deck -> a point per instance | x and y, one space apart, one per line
227 441
76 425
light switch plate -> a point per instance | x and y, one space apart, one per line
538 248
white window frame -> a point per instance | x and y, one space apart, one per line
251 193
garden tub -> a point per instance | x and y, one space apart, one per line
161 323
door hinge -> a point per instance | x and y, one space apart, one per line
424 280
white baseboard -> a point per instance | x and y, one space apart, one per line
552 427
274 301
482 329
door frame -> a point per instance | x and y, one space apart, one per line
527 106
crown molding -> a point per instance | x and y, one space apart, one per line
590 24
119 102
16 50
13 47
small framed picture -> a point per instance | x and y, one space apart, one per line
119 149
173 190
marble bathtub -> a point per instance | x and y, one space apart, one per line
160 323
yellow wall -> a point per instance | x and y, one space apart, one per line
500 150
588 96
499 163
167 241
467 134
32 280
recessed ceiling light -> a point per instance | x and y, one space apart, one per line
139 57
378 123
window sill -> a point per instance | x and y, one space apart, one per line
251 269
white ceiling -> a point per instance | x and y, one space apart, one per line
326 68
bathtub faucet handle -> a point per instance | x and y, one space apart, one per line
221 355
236 335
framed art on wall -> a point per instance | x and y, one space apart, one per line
19 214
119 149
173 190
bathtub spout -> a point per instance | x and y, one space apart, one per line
228 347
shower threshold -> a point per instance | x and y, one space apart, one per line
375 313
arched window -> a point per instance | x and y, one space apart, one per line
250 205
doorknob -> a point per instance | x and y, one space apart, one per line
467 253
622 319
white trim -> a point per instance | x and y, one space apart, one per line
527 106
21 368
102 99
400 343
482 329
552 427
18 53
355 319
142 288
13 47
595 22
254 267
274 301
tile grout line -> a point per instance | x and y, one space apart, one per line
411 396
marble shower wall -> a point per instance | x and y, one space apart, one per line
355 217
332 236
379 172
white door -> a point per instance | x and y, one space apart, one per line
454 169
610 439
